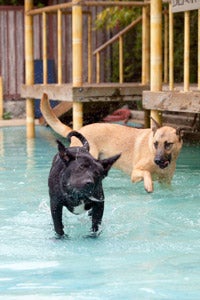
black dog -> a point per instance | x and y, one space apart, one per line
75 181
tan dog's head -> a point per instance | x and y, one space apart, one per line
167 143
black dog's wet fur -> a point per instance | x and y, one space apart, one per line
75 181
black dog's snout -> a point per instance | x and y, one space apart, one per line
89 184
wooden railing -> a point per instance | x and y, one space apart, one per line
118 37
184 97
169 42
59 9
168 46
77 39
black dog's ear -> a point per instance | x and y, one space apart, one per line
64 153
108 162
61 147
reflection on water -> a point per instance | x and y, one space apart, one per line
149 247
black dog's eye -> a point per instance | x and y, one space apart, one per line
82 167
156 145
168 146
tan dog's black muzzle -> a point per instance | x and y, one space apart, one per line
162 162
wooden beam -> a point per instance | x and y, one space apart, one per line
156 52
115 3
145 45
86 93
54 8
121 60
77 61
172 101
186 50
55 92
29 69
166 45
116 37
171 48
89 48
59 43
44 47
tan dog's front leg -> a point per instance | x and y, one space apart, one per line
138 175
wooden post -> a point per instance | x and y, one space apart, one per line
145 45
156 52
1 98
199 49
171 48
59 33
2 148
186 50
29 69
121 60
166 46
98 67
146 56
44 46
89 48
77 61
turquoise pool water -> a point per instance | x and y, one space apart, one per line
149 247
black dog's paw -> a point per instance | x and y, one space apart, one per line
94 234
61 237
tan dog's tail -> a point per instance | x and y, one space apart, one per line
51 118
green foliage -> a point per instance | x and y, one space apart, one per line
116 18
39 3
7 116
179 46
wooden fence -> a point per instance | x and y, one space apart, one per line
12 56
12 50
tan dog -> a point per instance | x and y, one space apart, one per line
146 154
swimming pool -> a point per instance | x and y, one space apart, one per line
149 247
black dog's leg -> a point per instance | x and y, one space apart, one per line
97 214
56 212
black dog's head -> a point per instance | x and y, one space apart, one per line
83 173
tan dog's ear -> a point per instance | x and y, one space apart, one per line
155 125
179 132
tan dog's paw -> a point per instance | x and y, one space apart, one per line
138 175
148 183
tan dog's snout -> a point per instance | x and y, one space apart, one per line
162 160
162 156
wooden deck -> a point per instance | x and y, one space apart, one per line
176 101
165 100
102 92
188 102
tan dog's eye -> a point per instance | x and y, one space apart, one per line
168 146
156 145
